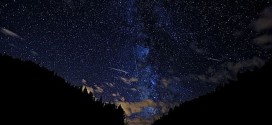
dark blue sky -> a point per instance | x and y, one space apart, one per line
147 55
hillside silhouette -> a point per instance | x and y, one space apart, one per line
32 94
245 100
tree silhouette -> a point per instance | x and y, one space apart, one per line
32 94
246 100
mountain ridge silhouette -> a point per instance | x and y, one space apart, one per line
245 100
32 94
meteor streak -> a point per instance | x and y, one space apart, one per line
10 33
119 70
213 59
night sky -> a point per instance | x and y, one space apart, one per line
147 55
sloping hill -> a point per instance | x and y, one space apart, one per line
32 94
246 100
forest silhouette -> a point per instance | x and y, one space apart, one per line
245 100
32 94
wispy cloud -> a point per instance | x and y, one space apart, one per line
110 84
140 121
84 82
115 94
86 86
165 82
129 80
123 99
229 70
264 41
118 98
133 89
265 21
131 108
262 24
89 89
98 89
136 107
95 89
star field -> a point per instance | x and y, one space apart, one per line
146 55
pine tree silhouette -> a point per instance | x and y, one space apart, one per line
246 100
32 94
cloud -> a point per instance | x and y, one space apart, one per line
122 99
215 78
133 89
132 108
165 82
265 21
86 86
98 89
89 89
129 80
10 33
84 82
118 97
110 85
166 106
264 41
229 70
263 24
115 94
136 107
254 62
140 121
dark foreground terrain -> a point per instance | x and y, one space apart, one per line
246 100
33 95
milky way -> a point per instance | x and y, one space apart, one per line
146 55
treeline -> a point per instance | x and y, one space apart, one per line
32 94
246 100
